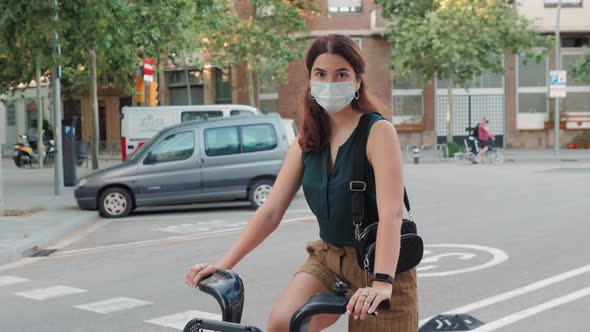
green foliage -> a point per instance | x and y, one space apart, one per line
24 41
456 39
581 69
583 138
454 148
264 38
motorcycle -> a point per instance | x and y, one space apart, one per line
25 152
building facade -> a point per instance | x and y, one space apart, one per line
516 102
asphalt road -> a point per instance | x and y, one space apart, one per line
505 244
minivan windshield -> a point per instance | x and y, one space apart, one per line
137 153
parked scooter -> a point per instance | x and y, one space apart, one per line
25 152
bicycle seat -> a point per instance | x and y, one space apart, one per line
228 290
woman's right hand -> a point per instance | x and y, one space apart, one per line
198 272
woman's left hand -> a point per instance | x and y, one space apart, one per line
366 300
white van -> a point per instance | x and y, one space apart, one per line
140 123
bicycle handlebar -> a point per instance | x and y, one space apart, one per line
228 289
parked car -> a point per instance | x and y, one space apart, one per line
140 123
198 161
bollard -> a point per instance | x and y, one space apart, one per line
416 156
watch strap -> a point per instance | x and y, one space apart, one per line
383 277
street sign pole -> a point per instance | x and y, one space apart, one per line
557 67
56 84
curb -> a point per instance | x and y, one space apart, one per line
29 246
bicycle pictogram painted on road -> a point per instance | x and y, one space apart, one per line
450 259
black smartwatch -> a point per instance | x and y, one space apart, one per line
383 277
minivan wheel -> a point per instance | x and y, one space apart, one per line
259 192
115 203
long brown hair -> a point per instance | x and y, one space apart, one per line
315 132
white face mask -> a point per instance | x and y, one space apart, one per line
333 97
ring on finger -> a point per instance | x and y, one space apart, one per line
367 304
365 294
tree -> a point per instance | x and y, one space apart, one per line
26 50
111 37
581 69
456 40
264 38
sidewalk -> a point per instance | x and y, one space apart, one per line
33 188
518 156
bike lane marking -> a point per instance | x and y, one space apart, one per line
41 294
179 321
167 240
11 280
515 292
498 255
499 323
113 305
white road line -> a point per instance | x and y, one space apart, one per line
533 310
178 321
50 293
516 292
198 215
22 262
164 240
113 305
11 280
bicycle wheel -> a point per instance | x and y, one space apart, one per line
468 157
497 158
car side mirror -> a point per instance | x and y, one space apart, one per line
149 159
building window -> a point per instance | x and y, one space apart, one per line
407 99
578 92
177 87
10 115
344 6
564 3
222 86
532 102
532 85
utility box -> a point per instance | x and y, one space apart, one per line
69 152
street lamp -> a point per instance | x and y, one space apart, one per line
557 67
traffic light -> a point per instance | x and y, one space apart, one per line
152 94
139 97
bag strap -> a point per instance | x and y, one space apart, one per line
358 185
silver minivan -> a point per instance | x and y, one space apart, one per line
221 159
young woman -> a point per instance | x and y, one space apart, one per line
322 161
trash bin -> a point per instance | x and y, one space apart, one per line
82 153
69 152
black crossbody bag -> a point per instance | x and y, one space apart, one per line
412 247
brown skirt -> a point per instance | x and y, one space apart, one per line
329 263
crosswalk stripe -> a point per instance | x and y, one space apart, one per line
113 305
50 292
11 280
178 321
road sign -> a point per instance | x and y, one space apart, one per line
557 84
149 65
460 322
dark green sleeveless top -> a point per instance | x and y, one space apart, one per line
329 197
